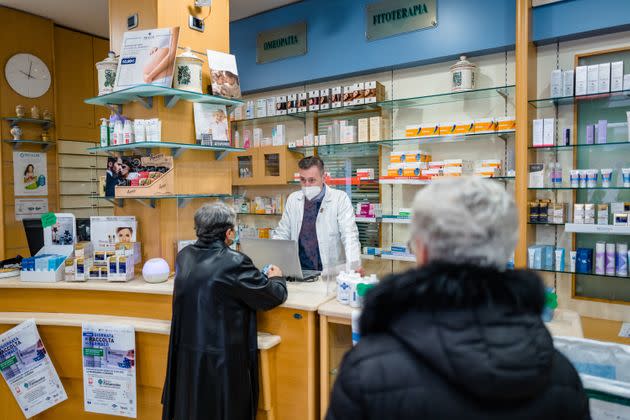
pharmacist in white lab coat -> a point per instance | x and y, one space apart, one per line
321 219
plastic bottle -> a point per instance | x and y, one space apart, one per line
127 132
118 132
356 334
112 123
104 132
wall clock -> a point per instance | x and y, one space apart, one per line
27 75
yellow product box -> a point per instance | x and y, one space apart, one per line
395 169
430 130
447 128
452 163
438 164
453 171
486 172
506 124
413 156
431 172
397 157
464 127
413 130
484 125
489 163
412 169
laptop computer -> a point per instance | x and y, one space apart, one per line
282 253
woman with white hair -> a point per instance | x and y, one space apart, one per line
212 370
460 337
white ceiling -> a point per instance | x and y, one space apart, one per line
91 15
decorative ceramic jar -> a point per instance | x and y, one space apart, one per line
35 112
107 73
188 72
20 111
463 75
45 136
156 270
46 114
16 132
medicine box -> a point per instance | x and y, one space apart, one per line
537 133
337 97
313 100
261 108
324 99
592 79
292 103
271 107
616 76
556 83
363 130
302 102
604 77
581 77
567 82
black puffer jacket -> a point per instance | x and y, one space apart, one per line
456 342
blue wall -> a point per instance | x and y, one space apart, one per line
576 18
337 44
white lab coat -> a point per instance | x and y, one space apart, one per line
337 233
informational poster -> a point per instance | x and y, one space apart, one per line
28 371
147 57
30 174
211 124
224 74
109 369
107 231
30 208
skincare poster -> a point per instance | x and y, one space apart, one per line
211 124
147 57
30 208
107 231
29 174
109 369
63 231
28 371
224 74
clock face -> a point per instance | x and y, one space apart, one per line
27 75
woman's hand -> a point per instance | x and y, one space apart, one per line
274 271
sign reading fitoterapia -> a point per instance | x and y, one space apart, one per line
393 17
280 43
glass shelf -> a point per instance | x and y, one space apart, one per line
504 135
44 145
393 104
176 148
151 201
545 224
427 182
259 214
576 273
145 94
574 146
46 124
621 97
271 119
578 189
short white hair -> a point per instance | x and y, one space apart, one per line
466 220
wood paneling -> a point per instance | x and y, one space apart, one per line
603 329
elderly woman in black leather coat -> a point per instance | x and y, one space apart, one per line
212 368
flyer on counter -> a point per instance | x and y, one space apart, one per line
28 371
29 174
109 369
30 208
147 57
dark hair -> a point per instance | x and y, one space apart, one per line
310 161
123 228
30 165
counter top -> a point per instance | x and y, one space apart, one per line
152 326
305 296
565 323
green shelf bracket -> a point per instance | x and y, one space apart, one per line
118 202
220 154
183 202
176 152
147 202
146 102
170 101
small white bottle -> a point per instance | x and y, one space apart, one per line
118 133
356 334
127 132
104 132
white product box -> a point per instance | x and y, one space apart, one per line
363 130
302 102
537 175
581 77
567 82
370 92
556 83
337 97
376 129
549 130
261 108
292 103
309 141
324 99
358 93
348 92
238 113
616 76
313 100
322 140
258 135
626 82
348 134
604 78
537 132
281 105
271 107
592 79
249 110
278 135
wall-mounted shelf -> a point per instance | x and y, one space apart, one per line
396 220
182 199
360 219
612 97
389 257
411 181
596 229
577 189
46 124
17 144
145 94
579 146
176 148
576 273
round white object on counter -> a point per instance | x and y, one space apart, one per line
156 270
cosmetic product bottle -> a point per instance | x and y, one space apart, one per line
127 132
600 258
104 132
610 259
622 260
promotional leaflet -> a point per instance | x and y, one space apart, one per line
28 371
29 174
224 74
211 124
30 208
109 369
107 231
147 57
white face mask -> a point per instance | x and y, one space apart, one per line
311 192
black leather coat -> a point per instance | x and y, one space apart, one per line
456 342
212 368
